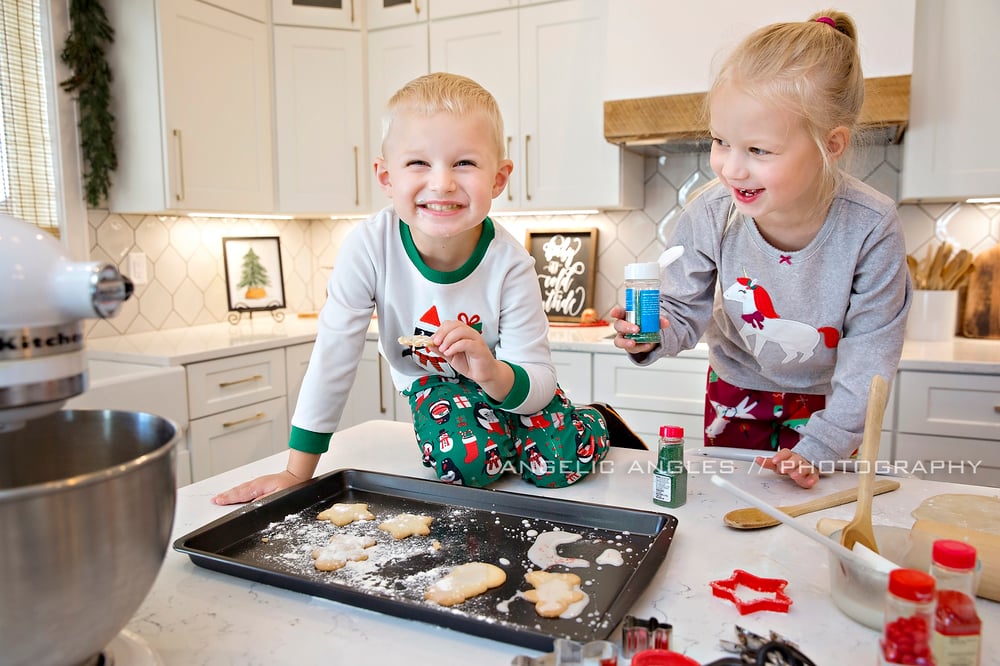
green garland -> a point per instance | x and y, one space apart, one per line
89 36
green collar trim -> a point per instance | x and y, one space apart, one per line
448 277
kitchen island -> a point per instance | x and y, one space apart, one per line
196 616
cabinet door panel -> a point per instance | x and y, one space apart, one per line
573 372
387 13
217 96
296 362
237 437
670 385
484 48
565 159
319 122
647 425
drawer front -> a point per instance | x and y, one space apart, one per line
224 441
934 403
227 383
951 459
573 374
674 385
647 425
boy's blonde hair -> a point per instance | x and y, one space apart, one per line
811 68
449 93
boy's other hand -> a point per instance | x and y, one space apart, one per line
254 490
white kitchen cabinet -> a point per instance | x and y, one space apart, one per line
320 126
192 102
296 362
255 9
671 391
951 145
948 427
389 13
449 8
575 375
343 14
395 57
373 395
552 104
665 48
238 410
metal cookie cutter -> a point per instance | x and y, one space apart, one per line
778 601
644 634
571 653
753 648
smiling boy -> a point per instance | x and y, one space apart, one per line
483 390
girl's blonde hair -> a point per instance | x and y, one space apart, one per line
811 68
442 92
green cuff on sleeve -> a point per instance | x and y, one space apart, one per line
518 392
308 441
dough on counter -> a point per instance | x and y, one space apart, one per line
407 524
341 514
553 592
343 548
975 512
465 581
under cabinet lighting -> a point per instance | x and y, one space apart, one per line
539 213
242 216
983 200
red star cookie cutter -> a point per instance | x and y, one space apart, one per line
726 589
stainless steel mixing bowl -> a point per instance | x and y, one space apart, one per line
86 511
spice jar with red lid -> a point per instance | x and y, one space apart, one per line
957 627
909 619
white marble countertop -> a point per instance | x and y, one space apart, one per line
196 616
180 346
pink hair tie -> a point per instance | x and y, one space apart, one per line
826 19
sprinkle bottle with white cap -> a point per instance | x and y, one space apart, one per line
642 300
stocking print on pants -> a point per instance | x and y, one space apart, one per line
469 441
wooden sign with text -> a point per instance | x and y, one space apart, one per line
566 263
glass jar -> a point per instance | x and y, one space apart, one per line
909 619
957 628
642 300
670 475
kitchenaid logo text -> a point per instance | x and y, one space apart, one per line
44 341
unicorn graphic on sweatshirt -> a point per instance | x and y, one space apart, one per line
796 339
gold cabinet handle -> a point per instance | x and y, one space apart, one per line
352 12
527 179
510 195
180 164
256 417
253 378
416 6
357 186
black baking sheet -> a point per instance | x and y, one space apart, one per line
271 542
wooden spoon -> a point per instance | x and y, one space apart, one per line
860 527
752 519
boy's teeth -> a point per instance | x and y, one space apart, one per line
441 206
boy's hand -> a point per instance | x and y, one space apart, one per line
623 327
466 351
798 469
259 487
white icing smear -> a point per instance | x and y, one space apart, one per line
611 557
543 552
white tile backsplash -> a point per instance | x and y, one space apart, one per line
187 284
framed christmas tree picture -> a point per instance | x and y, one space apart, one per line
253 273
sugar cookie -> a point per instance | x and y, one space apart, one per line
414 340
343 548
553 593
341 514
465 581
406 524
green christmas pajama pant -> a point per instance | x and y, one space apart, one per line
468 441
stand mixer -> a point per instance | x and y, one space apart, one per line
86 497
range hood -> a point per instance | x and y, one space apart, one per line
677 123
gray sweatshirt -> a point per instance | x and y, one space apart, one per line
820 320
